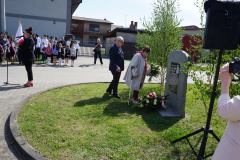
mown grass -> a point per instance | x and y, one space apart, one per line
83 122
103 51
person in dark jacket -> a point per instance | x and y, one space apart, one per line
97 51
60 54
28 55
116 65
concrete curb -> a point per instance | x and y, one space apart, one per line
20 143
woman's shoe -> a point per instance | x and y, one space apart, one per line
30 85
135 102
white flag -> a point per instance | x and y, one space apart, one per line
19 34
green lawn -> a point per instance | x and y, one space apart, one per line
103 51
83 122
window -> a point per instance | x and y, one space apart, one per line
94 27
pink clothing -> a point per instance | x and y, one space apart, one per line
49 50
229 146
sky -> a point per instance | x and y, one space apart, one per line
123 12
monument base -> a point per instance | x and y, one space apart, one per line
171 113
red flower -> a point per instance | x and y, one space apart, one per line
151 64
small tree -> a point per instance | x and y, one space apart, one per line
163 34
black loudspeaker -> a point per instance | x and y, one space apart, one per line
222 30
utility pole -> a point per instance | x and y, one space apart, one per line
3 16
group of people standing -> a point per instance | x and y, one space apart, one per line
56 49
7 47
53 50
135 74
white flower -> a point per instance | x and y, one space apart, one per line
155 95
147 101
155 102
148 96
141 99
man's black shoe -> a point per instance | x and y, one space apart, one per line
116 96
108 91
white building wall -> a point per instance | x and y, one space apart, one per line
43 8
39 26
45 16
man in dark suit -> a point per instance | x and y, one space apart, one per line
116 65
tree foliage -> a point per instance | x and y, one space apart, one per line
163 34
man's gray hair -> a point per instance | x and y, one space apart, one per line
119 38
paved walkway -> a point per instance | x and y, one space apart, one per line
45 78
86 51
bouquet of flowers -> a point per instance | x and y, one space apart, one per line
154 71
154 101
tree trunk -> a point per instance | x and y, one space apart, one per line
162 64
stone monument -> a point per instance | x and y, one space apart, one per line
176 85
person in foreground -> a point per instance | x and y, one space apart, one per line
28 55
136 72
116 65
229 109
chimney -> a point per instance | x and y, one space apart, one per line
135 26
132 26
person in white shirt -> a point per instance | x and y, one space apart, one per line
38 46
229 109
77 48
73 54
69 42
45 40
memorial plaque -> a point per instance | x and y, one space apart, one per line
176 85
174 76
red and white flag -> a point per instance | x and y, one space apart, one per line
19 34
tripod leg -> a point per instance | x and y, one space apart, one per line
7 72
215 136
189 135
203 145
213 96
191 147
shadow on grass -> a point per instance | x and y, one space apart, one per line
93 101
154 121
